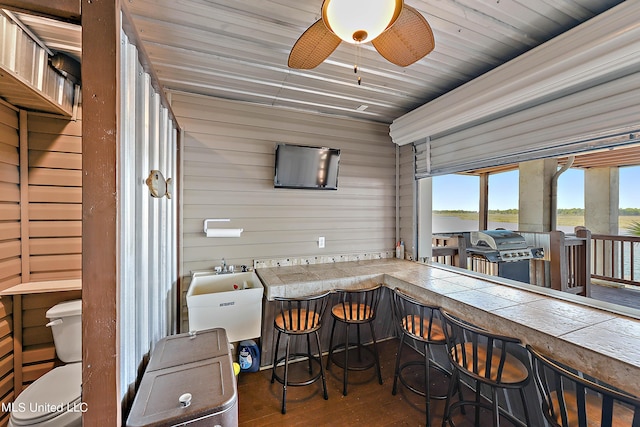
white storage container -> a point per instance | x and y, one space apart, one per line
230 301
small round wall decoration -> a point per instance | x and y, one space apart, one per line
158 186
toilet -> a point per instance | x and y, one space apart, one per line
53 400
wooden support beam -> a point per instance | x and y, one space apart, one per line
17 345
67 10
483 209
100 251
24 196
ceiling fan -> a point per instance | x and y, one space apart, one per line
398 32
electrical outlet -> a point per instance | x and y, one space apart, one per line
321 242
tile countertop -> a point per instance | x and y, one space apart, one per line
598 338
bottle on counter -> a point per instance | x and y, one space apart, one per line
249 356
398 249
401 249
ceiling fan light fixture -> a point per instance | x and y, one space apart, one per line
360 21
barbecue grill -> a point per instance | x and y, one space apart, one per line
508 250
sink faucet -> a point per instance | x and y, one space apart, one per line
223 268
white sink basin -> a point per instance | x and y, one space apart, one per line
230 301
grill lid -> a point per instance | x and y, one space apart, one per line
502 246
498 239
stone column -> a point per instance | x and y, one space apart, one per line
601 202
601 199
534 203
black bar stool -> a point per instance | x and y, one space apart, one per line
570 400
298 317
486 358
355 307
423 324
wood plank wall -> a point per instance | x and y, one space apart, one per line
228 168
54 230
46 211
55 197
10 264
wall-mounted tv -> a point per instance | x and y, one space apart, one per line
301 166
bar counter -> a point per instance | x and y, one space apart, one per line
597 338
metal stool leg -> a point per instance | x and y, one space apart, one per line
397 372
358 342
375 353
286 376
496 409
346 361
309 353
322 373
333 328
477 406
427 382
454 382
524 407
275 358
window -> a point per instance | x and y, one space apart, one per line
570 200
503 200
455 203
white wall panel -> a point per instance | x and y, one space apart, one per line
229 159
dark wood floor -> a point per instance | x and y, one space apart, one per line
367 403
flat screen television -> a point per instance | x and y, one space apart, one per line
301 166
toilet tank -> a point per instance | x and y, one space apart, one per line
66 326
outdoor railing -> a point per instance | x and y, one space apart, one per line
449 249
570 261
565 267
616 258
569 267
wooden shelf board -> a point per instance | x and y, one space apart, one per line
40 287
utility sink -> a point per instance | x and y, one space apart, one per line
230 301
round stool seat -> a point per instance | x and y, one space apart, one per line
490 360
513 370
425 329
352 312
301 321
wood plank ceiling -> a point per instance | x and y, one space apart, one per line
238 49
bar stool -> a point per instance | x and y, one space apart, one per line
355 307
423 324
570 400
298 317
486 358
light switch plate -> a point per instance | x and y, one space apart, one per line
321 242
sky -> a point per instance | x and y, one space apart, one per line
503 190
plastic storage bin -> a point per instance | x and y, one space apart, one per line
230 301
189 381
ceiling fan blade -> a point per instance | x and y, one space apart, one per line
314 46
409 39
